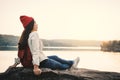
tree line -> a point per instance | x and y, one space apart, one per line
113 46
8 40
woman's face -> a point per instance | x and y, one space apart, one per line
35 27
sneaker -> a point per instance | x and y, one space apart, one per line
76 61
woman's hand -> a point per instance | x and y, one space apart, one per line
12 66
17 62
37 70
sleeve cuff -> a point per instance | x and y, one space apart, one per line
17 60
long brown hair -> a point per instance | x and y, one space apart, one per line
23 42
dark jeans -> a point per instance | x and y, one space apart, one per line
54 62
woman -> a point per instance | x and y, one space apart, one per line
30 39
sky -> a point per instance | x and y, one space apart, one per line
64 19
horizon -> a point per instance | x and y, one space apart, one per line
64 19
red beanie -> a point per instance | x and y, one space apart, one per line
25 20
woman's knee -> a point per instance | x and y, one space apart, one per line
55 56
52 57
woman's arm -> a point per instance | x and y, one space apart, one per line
34 46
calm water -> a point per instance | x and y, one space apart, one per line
97 60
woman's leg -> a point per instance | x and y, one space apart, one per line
63 61
50 63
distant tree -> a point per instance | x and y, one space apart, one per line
111 46
8 40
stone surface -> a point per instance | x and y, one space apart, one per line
20 73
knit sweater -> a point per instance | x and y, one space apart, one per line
36 45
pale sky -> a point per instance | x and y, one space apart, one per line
64 19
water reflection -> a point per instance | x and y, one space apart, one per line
97 60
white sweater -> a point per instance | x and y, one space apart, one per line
36 45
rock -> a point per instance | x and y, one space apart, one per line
20 73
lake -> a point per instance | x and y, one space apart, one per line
89 59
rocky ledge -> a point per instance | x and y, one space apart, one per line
20 73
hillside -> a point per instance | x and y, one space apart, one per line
76 43
10 40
